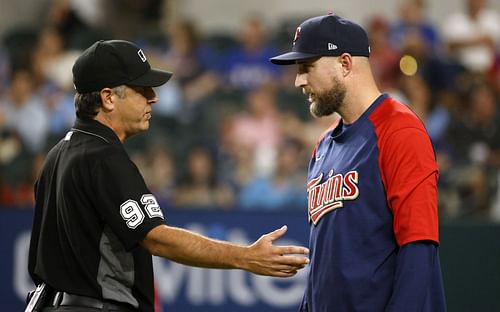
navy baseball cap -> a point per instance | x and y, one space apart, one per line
327 35
108 64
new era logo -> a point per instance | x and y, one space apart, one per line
332 46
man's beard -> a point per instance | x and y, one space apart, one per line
328 102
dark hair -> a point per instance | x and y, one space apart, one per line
86 104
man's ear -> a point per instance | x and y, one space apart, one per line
346 61
107 99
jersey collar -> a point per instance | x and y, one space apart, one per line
342 132
93 127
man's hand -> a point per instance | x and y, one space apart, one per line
264 258
261 257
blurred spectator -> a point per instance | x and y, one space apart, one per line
472 36
52 65
13 161
19 194
199 187
419 97
418 48
77 21
180 110
384 59
285 188
474 138
258 127
247 66
18 44
190 61
234 158
45 56
307 132
417 39
477 123
158 169
61 109
412 24
126 19
51 61
25 111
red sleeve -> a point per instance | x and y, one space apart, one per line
409 173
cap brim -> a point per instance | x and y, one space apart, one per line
291 58
153 78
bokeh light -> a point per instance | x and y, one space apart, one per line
408 65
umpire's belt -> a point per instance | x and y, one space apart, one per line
61 298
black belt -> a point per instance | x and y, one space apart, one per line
64 299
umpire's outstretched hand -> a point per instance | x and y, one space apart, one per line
261 257
280 261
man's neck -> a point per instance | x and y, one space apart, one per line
108 122
355 105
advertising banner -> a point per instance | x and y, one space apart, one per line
181 288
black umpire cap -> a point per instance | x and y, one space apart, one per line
108 64
326 35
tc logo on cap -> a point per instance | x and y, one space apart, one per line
142 55
297 35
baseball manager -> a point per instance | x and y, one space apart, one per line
372 182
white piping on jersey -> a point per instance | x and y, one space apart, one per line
90 133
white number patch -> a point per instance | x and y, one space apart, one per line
151 205
132 213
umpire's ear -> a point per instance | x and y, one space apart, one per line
107 99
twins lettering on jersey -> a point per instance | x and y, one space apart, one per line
331 194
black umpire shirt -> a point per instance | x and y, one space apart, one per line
92 211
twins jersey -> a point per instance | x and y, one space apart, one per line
92 211
371 189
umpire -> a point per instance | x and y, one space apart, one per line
96 224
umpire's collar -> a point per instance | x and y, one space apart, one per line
93 127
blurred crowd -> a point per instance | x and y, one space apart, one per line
230 131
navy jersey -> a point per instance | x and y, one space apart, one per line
92 211
371 189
